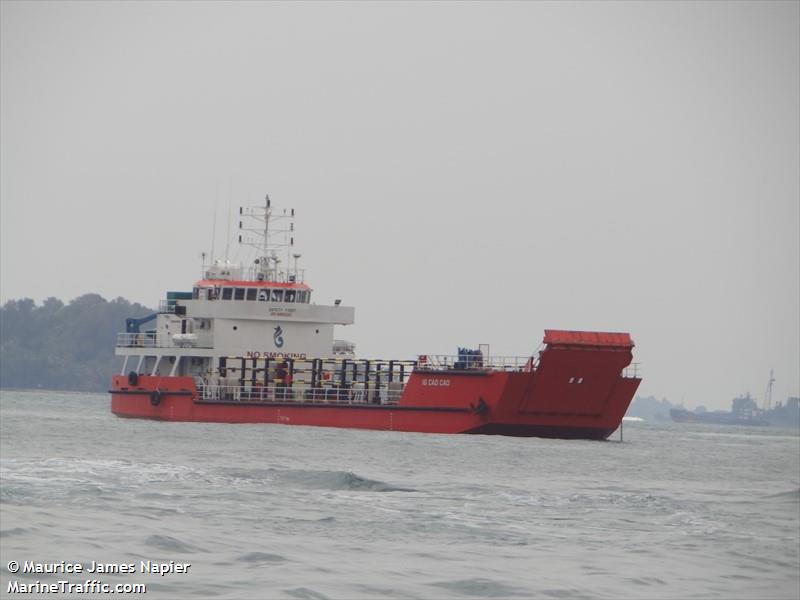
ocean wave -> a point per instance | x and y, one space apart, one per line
633 501
790 495
482 587
338 481
306 594
83 470
252 474
15 531
310 479
257 558
77 480
170 544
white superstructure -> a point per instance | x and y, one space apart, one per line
264 310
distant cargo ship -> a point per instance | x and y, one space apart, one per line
745 411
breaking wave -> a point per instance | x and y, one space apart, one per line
483 588
170 544
257 558
310 479
790 495
339 480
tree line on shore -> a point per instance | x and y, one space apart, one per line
62 346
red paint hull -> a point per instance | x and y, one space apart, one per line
549 401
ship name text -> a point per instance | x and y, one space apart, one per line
436 382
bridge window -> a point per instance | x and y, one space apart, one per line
227 293
263 295
195 293
277 295
239 294
289 296
251 293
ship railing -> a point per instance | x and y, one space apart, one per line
167 306
447 362
151 339
300 394
144 339
631 371
293 275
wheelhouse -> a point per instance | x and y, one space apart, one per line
252 291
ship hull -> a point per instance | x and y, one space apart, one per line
387 418
499 404
578 389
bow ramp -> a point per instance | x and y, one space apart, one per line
583 373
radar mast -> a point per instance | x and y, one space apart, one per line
270 233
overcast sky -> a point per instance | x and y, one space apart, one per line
463 173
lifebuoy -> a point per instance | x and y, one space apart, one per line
155 398
133 378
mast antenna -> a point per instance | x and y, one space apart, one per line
276 231
228 232
266 225
214 226
768 393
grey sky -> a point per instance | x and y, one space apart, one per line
463 173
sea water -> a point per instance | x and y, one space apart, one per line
275 511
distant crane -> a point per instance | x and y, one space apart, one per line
768 393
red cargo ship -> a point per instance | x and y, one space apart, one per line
251 347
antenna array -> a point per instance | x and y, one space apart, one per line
270 233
